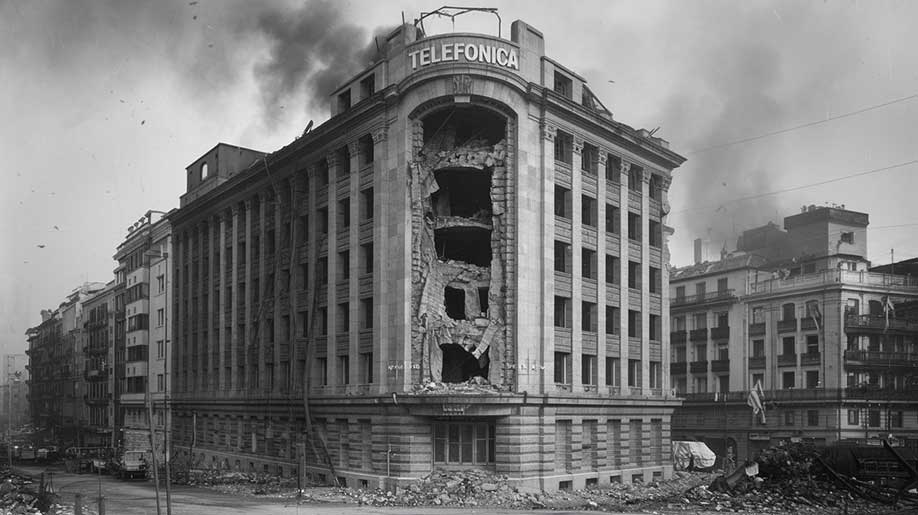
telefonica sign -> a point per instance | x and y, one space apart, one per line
469 52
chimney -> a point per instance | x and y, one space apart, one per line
697 251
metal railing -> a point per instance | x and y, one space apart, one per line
714 296
835 277
872 357
880 322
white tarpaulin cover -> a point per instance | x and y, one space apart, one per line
683 452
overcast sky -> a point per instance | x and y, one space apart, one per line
103 104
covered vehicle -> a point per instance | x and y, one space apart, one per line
131 464
689 455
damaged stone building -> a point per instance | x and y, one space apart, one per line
463 267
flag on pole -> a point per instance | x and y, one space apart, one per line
887 308
815 315
755 400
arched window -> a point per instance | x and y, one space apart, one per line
203 171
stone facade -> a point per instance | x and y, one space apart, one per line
375 300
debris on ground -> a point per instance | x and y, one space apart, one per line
21 495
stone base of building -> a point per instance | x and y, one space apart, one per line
538 443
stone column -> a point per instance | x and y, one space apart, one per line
222 344
332 303
541 368
236 303
576 266
645 282
380 286
353 297
624 300
601 288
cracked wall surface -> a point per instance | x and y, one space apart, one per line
459 208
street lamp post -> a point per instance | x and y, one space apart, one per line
166 419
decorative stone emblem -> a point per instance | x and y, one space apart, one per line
462 84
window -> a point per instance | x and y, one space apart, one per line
613 270
366 251
204 171
562 312
613 322
344 370
322 271
723 383
343 156
812 344
656 376
758 348
563 257
161 283
588 317
613 168
656 234
613 219
160 317
322 220
344 265
678 323
563 449
366 313
367 87
613 372
344 101
588 369
700 320
634 226
344 213
873 418
758 379
655 327
758 315
562 202
655 188
589 159
588 445
847 237
787 312
852 308
635 177
464 443
564 86
588 263
853 417
588 212
634 275
366 204
564 147
812 379
563 367
895 419
366 368
787 380
788 346
634 373
365 150
656 280
634 324
323 320
788 418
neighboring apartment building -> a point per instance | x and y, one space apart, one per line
140 332
98 355
57 382
800 312
14 378
463 267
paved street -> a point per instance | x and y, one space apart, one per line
124 497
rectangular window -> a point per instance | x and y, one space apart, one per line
656 280
366 368
634 324
656 375
873 418
562 368
563 206
613 219
634 227
853 417
367 87
588 264
343 318
588 445
655 327
366 204
812 417
344 101
344 265
589 317
895 419
464 443
613 270
563 85
564 147
366 253
365 150
588 369
788 346
636 449
588 211
563 445
613 169
812 344
160 317
344 369
613 322
613 372
589 159
562 312
634 372
787 380
635 177
634 275
322 220
344 213
758 315
656 234
563 257
322 371
366 313
788 418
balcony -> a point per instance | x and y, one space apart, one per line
898 282
871 323
811 358
876 393
757 362
702 298
810 323
698 335
787 360
787 326
720 333
870 358
720 365
757 329
677 337
677 368
698 367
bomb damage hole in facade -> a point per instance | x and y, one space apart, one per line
458 207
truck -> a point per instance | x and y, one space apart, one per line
130 465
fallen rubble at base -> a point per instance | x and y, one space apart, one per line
19 495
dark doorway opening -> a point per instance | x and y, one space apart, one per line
459 366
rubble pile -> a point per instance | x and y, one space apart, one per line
474 385
242 483
460 488
19 495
